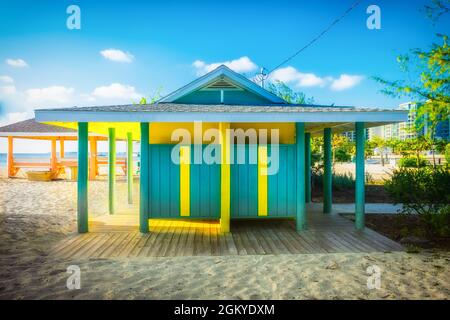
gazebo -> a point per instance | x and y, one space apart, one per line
31 129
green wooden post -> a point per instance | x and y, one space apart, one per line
308 167
360 176
111 168
144 178
327 174
300 179
130 166
82 184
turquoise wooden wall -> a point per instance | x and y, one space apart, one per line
164 186
204 188
244 183
164 181
281 186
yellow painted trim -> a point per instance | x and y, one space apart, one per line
162 131
185 157
262 180
225 180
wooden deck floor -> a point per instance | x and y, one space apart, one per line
118 236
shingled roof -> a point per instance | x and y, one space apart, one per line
221 108
32 126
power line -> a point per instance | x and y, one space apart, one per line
354 5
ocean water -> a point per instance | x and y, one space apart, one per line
40 157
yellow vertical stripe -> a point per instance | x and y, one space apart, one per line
262 180
185 157
225 182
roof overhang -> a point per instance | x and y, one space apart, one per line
347 116
49 135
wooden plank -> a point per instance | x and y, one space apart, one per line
175 242
77 245
215 249
101 240
245 240
284 246
238 242
223 249
190 242
356 241
254 241
83 252
265 241
140 244
125 252
122 236
293 239
309 239
268 249
65 243
130 236
351 247
273 242
168 239
182 242
284 238
379 238
155 240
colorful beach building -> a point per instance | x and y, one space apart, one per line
233 133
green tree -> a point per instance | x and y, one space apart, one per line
283 91
427 80
447 154
380 144
417 146
153 97
342 148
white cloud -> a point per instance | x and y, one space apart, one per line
299 79
116 91
243 64
345 81
290 75
18 63
7 90
117 55
53 94
6 79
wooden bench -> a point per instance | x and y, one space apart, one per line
16 166
71 164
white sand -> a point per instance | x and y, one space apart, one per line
376 172
34 216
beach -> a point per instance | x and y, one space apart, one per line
35 216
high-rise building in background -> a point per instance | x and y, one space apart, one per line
405 130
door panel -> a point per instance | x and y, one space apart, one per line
204 188
164 189
282 186
244 182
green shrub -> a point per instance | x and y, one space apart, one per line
439 221
339 181
411 162
423 191
341 155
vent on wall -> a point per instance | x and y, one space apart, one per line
222 84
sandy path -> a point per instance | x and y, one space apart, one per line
30 225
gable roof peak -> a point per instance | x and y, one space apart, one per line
223 71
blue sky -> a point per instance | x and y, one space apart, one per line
44 64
